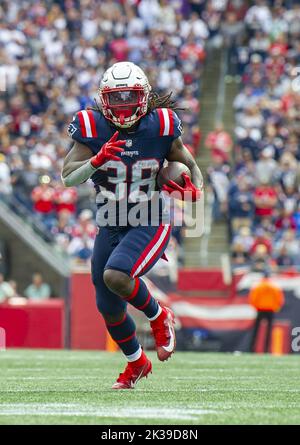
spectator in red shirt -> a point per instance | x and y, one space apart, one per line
265 200
66 199
120 49
220 143
261 239
192 50
43 196
275 63
286 220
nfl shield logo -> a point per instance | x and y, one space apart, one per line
128 143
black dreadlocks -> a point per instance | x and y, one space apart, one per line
157 101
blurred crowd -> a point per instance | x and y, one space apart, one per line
37 290
259 191
52 56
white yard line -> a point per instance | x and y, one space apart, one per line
69 409
52 378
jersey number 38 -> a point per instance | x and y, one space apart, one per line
128 180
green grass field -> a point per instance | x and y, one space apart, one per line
72 387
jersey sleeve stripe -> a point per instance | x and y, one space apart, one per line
87 124
82 124
171 119
93 123
161 121
166 121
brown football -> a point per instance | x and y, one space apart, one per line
172 171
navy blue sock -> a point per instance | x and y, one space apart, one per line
123 333
142 300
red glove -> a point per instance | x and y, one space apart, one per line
194 193
108 151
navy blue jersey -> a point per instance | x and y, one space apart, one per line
146 148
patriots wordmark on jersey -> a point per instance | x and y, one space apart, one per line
119 182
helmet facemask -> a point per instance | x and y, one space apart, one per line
124 106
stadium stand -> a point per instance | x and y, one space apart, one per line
264 194
53 54
259 191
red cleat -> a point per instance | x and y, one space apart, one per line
164 334
133 373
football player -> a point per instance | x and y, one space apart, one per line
121 146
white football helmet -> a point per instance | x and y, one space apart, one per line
124 92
